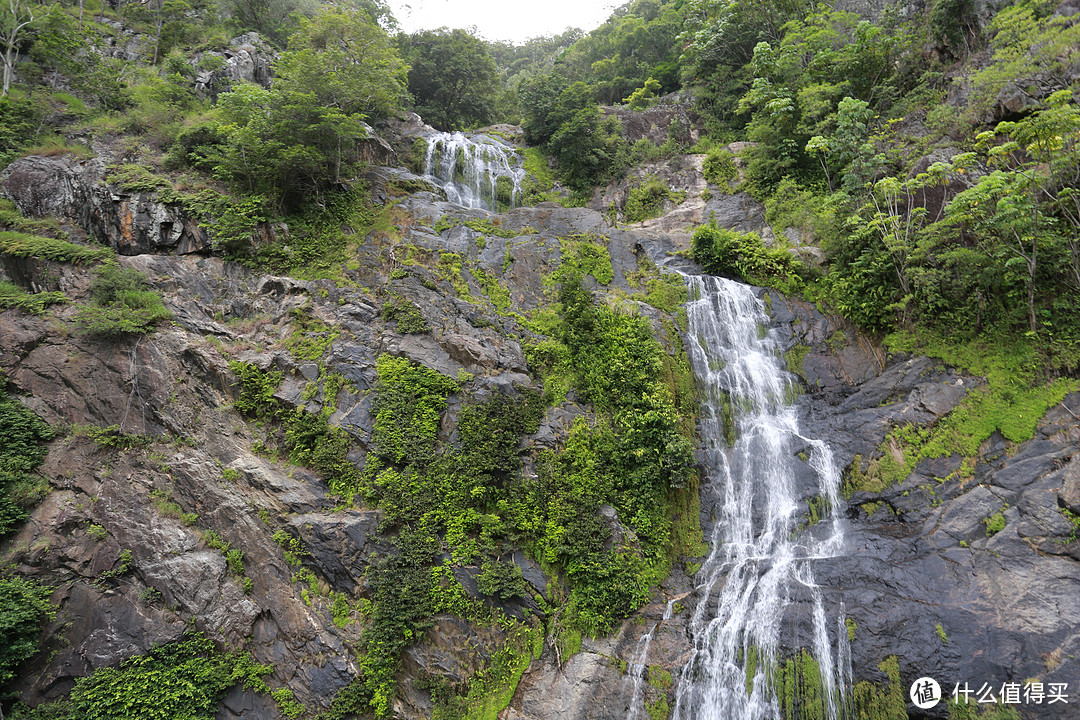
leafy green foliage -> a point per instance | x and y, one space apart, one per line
452 77
409 400
122 304
22 450
745 255
636 45
24 608
12 296
182 680
47 248
647 200
302 135
719 168
406 316
584 255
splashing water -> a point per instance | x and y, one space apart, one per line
469 170
758 560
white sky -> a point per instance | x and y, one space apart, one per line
508 20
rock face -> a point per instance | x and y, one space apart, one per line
248 58
917 557
74 188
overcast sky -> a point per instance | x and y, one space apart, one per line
513 20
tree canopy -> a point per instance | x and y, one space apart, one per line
452 78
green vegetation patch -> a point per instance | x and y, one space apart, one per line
744 255
22 450
480 225
122 303
310 337
493 289
874 702
24 608
719 169
583 255
647 200
47 248
1012 401
185 679
405 315
13 296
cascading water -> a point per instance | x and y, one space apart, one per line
758 560
635 673
470 170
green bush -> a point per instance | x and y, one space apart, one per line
22 449
719 168
647 200
12 296
123 304
24 607
744 255
406 316
183 680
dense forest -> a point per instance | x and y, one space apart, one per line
928 151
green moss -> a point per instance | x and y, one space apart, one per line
851 626
1012 401
941 634
794 359
873 702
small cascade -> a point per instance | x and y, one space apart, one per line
760 567
636 672
478 172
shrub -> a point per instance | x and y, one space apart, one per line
744 255
123 304
24 606
647 200
12 296
719 168
182 680
46 248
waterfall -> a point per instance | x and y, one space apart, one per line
636 671
758 560
469 170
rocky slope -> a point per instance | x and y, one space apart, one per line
127 534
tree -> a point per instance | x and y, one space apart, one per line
15 15
453 78
302 135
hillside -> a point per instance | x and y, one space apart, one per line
720 362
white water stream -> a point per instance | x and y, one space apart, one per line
759 561
468 169
636 672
